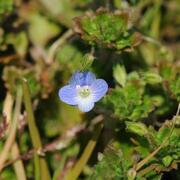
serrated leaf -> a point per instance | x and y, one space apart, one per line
152 78
110 167
96 28
130 102
137 128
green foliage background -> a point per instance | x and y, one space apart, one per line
133 45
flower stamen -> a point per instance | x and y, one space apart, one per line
83 91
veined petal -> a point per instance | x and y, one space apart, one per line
68 95
82 78
85 104
89 78
77 79
99 89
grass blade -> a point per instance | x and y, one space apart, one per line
76 171
41 168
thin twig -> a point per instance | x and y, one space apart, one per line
53 146
151 40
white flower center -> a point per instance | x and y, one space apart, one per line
83 91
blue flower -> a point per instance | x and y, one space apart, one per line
83 90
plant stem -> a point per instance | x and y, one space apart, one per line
12 132
41 168
75 172
152 40
141 163
59 168
8 105
18 165
155 26
57 44
7 111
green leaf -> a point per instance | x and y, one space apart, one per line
87 61
19 41
152 78
167 160
175 87
137 128
63 11
96 28
41 30
119 74
163 132
166 69
6 6
130 102
12 76
110 167
70 56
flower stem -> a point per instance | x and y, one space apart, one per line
41 168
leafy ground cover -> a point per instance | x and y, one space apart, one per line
130 130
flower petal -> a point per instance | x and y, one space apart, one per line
68 95
85 104
89 78
77 79
99 89
82 78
